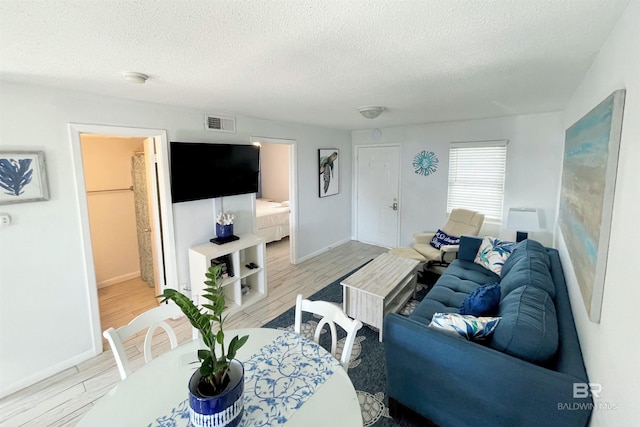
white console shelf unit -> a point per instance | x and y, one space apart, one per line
249 249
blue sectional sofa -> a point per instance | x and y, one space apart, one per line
523 375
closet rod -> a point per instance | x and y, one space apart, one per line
110 190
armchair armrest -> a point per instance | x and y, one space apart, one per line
424 238
449 249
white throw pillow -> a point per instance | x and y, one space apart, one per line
464 325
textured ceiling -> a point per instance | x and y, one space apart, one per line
314 62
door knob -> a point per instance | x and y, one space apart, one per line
394 206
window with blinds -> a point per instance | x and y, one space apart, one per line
476 177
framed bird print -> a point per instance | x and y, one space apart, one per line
329 171
22 177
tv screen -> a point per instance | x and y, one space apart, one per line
203 171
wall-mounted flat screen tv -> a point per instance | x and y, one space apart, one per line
204 171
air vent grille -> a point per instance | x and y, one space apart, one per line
219 123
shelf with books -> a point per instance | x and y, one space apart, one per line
243 263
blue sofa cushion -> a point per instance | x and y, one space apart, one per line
527 266
529 326
458 280
525 249
466 326
442 238
468 271
440 299
469 247
483 301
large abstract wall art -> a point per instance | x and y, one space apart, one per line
22 177
586 198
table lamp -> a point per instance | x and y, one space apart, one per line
523 220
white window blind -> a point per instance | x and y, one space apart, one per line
476 177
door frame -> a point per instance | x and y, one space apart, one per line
163 213
293 191
354 199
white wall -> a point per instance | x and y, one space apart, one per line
610 348
43 296
534 154
107 166
274 171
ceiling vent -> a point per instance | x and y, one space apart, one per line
219 123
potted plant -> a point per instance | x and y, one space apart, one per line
217 386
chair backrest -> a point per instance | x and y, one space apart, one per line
463 221
151 319
331 314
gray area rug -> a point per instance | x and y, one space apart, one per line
367 368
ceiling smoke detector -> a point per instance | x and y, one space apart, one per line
137 78
371 111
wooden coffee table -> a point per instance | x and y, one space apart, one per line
380 287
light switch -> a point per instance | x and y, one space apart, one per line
5 220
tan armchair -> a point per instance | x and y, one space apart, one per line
461 221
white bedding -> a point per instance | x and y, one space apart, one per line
272 220
271 214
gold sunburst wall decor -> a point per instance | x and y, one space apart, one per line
425 163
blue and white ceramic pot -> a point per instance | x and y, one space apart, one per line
224 230
224 409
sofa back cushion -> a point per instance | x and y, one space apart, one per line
528 265
526 248
529 326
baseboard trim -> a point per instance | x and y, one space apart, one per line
118 279
323 250
45 373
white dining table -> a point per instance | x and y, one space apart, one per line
289 380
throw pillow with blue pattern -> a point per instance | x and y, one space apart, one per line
442 238
470 327
493 253
483 301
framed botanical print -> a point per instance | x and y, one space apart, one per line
329 171
23 177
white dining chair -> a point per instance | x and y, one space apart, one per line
331 314
151 319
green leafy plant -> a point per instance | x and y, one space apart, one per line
213 369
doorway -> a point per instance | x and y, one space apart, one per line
116 178
97 190
377 193
278 186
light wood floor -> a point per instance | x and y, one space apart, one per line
123 301
62 399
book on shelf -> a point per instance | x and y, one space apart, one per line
227 266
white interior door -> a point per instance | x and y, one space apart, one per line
377 195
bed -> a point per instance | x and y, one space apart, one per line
272 219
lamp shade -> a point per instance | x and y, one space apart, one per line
523 219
